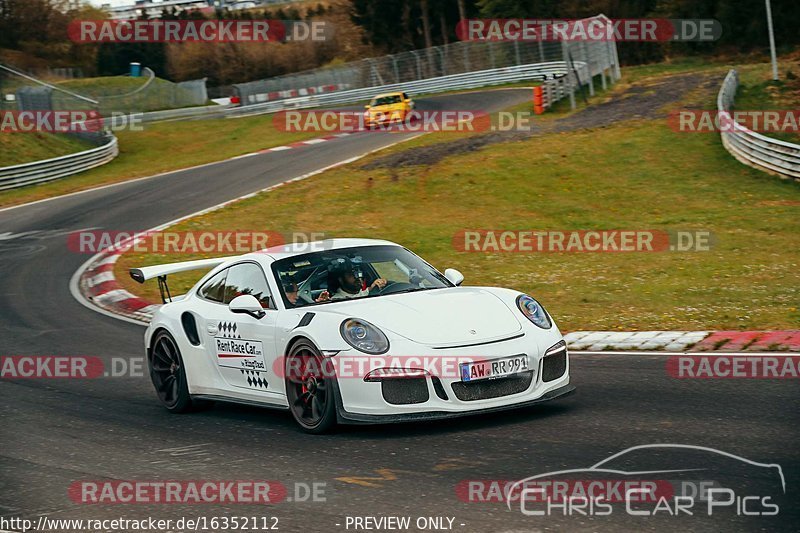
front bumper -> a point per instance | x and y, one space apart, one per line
384 118
345 417
444 394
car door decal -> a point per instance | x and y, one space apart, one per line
254 379
235 352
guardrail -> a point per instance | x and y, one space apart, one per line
554 71
751 148
559 77
455 82
58 167
186 113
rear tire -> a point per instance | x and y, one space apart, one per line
310 389
169 376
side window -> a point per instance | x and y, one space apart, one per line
247 278
214 289
405 96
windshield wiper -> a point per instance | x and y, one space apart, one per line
410 289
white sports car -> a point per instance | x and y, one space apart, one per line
349 331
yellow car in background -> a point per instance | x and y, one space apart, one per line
387 108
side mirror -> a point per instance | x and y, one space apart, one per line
453 276
247 304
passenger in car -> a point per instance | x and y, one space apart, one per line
290 288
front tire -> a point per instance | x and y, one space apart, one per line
169 376
310 389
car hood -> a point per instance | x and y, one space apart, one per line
437 317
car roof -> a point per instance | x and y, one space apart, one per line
292 249
396 93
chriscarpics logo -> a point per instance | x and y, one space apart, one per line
665 480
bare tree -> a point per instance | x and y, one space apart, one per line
426 23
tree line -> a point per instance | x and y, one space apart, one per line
396 25
34 32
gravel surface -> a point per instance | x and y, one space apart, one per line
647 99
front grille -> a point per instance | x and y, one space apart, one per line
492 388
554 366
402 391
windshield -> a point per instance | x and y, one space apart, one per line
359 272
386 100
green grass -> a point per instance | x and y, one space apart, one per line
18 148
166 146
106 85
634 175
118 94
758 91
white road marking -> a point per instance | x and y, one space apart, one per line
117 184
74 283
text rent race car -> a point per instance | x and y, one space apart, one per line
356 331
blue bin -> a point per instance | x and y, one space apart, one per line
136 70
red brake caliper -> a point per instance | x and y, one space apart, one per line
304 389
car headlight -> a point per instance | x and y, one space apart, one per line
534 311
364 337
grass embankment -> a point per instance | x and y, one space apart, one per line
163 147
126 94
18 148
636 174
166 146
758 91
107 85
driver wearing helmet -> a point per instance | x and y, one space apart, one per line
345 281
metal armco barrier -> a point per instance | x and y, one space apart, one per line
751 148
563 67
437 62
558 76
559 82
470 80
58 167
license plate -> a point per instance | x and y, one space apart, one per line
494 368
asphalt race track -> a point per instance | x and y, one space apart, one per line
55 432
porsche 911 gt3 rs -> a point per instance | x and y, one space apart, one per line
349 331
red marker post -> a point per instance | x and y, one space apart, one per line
538 100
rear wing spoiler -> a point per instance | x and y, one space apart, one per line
162 271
